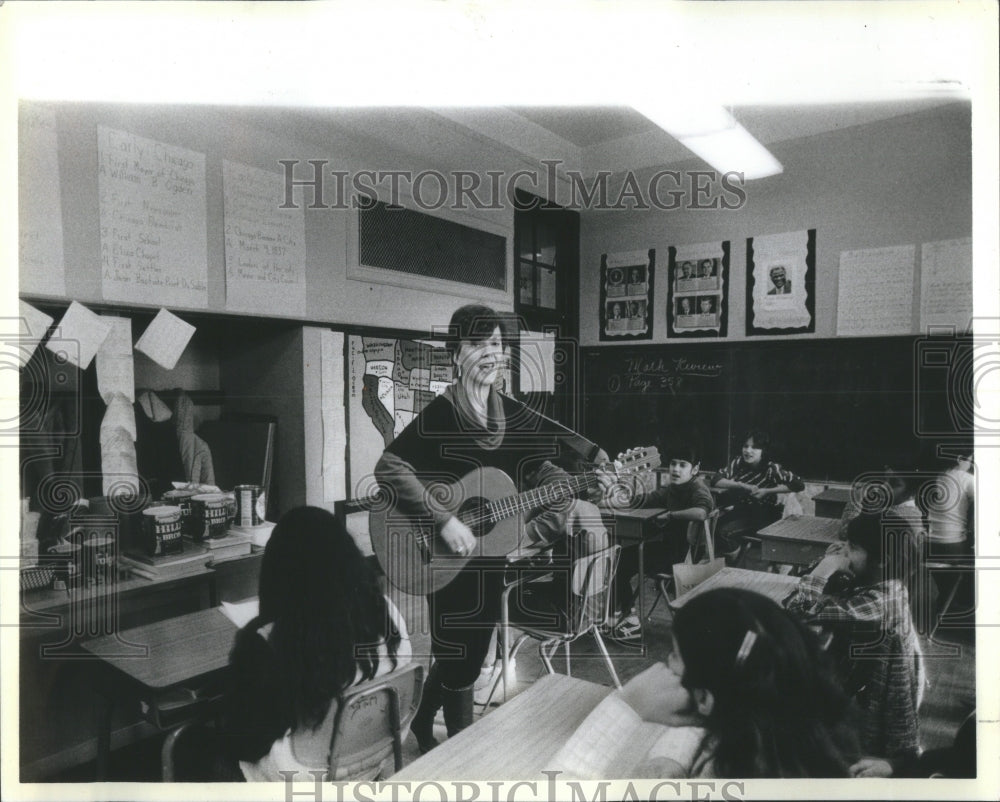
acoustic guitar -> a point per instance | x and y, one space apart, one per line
416 558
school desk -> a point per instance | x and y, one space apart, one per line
517 740
797 539
173 665
634 528
831 502
774 586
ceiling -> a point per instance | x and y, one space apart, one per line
584 138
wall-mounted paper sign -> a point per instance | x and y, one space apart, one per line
538 366
115 365
81 333
33 325
165 339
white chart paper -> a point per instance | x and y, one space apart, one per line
946 284
154 240
265 244
876 291
42 266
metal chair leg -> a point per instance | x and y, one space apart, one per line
607 657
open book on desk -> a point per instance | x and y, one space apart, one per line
616 741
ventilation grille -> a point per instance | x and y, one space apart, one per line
418 244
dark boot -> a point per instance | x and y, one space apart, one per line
422 725
457 709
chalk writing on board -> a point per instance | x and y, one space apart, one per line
660 374
153 221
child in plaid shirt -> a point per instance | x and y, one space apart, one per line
859 590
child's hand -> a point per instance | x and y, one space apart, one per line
871 767
758 492
831 563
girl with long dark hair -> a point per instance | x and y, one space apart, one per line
759 684
323 626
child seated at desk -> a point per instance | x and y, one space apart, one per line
323 626
686 498
751 483
758 682
859 590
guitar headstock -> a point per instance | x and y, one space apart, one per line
635 460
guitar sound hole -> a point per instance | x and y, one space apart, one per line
475 514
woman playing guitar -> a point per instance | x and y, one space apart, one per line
473 427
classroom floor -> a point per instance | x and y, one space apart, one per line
949 696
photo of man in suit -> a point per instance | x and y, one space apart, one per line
779 281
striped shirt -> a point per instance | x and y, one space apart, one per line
763 474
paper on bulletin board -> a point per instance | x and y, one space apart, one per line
33 325
538 366
265 244
81 333
42 265
115 363
154 228
333 415
165 339
698 287
876 291
779 288
946 284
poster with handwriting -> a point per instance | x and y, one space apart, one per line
946 284
876 291
42 268
265 244
153 221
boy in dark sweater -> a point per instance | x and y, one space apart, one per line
685 498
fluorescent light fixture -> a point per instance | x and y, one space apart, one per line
711 133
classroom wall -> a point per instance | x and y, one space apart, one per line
258 139
896 182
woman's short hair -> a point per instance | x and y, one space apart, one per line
474 323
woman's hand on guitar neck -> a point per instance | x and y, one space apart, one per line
458 536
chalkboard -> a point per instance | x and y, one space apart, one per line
834 408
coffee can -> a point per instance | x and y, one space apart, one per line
246 505
161 530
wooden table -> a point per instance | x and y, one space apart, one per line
797 539
774 586
516 741
831 502
171 663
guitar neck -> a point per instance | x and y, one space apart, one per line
546 494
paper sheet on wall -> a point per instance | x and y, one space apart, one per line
120 414
154 229
165 339
81 333
946 284
33 325
538 367
115 371
120 474
333 415
876 291
42 266
265 244
784 255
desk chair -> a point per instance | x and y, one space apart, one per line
589 611
962 569
364 730
701 538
